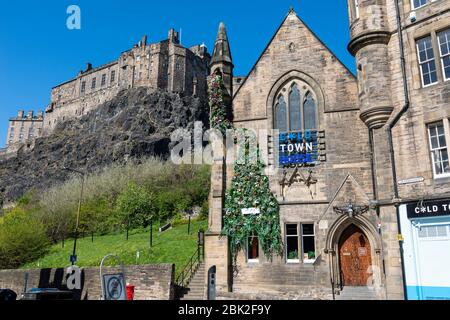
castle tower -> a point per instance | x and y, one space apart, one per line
369 44
370 37
222 62
372 45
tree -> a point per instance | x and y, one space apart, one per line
135 205
22 239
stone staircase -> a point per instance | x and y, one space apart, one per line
357 293
196 287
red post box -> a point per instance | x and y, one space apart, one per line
130 292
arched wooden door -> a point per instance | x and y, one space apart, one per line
355 257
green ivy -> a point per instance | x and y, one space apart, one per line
250 189
218 114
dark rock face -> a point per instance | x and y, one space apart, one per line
135 124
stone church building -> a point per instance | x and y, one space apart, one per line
363 213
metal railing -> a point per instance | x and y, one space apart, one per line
188 272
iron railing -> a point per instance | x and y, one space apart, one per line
188 272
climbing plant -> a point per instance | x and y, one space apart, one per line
218 114
250 189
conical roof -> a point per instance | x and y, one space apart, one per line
222 52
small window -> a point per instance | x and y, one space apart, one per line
281 115
438 149
12 123
94 83
113 76
83 87
292 244
310 112
419 3
427 62
444 49
308 243
9 142
12 129
103 80
436 231
253 249
295 114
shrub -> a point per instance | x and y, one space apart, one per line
22 239
135 206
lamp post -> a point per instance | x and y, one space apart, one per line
83 174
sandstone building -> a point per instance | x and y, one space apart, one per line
366 213
24 128
165 65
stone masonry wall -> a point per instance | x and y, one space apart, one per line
152 282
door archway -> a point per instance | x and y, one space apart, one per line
337 232
355 257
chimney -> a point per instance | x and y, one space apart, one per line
174 36
88 67
20 114
30 115
40 115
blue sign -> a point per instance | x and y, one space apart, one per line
73 258
298 148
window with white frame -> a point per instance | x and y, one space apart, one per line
83 87
292 237
434 231
444 50
113 76
253 249
94 83
308 242
419 3
438 149
427 62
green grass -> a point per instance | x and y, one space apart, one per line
172 246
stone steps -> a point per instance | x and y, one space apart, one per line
357 293
196 287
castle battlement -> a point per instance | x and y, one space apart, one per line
163 65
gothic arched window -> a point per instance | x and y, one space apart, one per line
281 114
295 114
300 112
310 110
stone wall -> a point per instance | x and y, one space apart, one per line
152 282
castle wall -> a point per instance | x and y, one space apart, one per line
165 65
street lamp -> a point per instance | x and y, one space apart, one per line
73 258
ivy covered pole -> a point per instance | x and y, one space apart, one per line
250 188
218 112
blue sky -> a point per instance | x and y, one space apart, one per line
37 51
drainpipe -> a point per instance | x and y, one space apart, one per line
391 125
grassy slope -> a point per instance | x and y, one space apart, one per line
171 246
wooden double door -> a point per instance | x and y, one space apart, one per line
355 257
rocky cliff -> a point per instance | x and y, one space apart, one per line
135 124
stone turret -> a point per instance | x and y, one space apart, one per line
222 62
369 44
